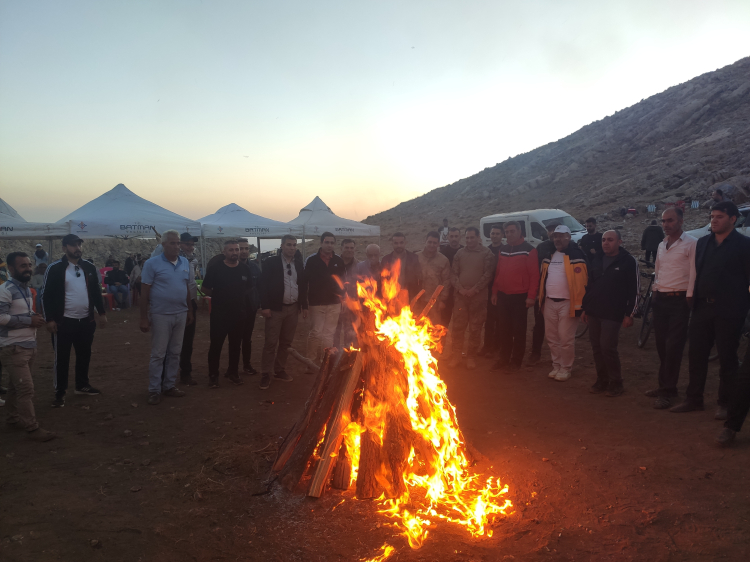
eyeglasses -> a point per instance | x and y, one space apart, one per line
78 271
289 269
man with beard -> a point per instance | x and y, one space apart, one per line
345 327
253 304
492 324
70 296
117 281
410 272
18 325
40 256
436 270
591 242
449 251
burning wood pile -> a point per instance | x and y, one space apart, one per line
378 418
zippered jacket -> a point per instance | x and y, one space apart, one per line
325 283
576 271
517 270
53 290
612 293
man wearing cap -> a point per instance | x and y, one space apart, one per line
561 288
70 295
187 251
40 256
543 250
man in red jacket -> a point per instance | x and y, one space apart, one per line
513 292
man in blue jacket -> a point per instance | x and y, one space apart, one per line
610 302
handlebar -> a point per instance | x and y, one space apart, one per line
647 263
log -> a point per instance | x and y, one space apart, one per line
431 302
334 428
342 472
413 302
302 359
290 441
302 454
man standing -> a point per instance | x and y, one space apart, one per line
591 242
116 281
187 251
283 296
543 251
721 302
449 251
345 325
370 268
436 270
165 285
40 256
443 233
229 283
18 324
70 295
253 306
653 235
513 293
470 275
410 272
492 324
610 301
324 276
672 296
561 288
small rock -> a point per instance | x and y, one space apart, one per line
642 467
109 417
135 489
16 538
95 544
583 448
545 459
127 433
134 405
127 343
145 462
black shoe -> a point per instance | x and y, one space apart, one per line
265 381
652 393
513 368
615 391
484 351
598 388
283 376
3 390
235 378
188 381
662 403
686 406
249 370
58 402
534 358
89 390
726 437
213 382
499 365
721 413
154 398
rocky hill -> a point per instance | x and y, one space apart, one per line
679 144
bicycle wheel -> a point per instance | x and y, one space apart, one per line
581 329
646 322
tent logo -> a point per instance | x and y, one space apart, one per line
258 230
136 227
82 225
344 229
221 229
6 229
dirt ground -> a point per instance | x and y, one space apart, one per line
591 477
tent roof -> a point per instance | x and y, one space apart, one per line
121 213
233 220
317 217
9 214
13 226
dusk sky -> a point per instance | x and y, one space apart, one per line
194 105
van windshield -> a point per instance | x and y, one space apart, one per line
568 221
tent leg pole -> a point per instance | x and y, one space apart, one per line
304 248
257 256
203 254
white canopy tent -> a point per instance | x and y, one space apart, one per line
120 213
317 218
14 227
233 221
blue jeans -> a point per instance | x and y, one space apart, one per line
119 289
167 331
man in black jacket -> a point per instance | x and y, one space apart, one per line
70 295
591 242
253 306
610 302
117 281
283 295
324 275
410 273
720 304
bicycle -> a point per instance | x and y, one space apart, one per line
644 310
581 329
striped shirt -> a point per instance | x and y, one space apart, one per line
15 316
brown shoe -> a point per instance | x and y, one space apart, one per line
174 392
41 435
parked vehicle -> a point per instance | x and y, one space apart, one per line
533 224
742 225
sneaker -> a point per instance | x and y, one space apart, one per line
652 393
41 435
598 388
265 381
615 391
188 381
174 392
554 371
249 370
662 403
213 382
58 402
154 398
562 375
470 363
686 406
499 365
721 413
726 437
283 376
235 378
89 390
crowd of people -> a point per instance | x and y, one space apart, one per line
700 293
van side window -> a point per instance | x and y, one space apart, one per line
538 231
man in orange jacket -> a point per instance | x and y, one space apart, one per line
513 292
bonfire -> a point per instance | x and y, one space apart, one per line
379 419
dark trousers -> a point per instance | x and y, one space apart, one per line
707 328
511 334
491 326
740 402
448 310
220 329
247 338
186 354
650 255
538 334
671 320
75 334
604 335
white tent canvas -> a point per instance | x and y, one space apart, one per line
14 226
234 221
317 218
120 213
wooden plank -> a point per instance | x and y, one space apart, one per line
431 302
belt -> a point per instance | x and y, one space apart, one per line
707 300
671 293
557 300
290 304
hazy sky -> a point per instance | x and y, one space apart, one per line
194 105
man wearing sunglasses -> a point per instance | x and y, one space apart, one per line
70 295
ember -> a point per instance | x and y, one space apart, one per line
380 419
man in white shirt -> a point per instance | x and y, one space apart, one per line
672 296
